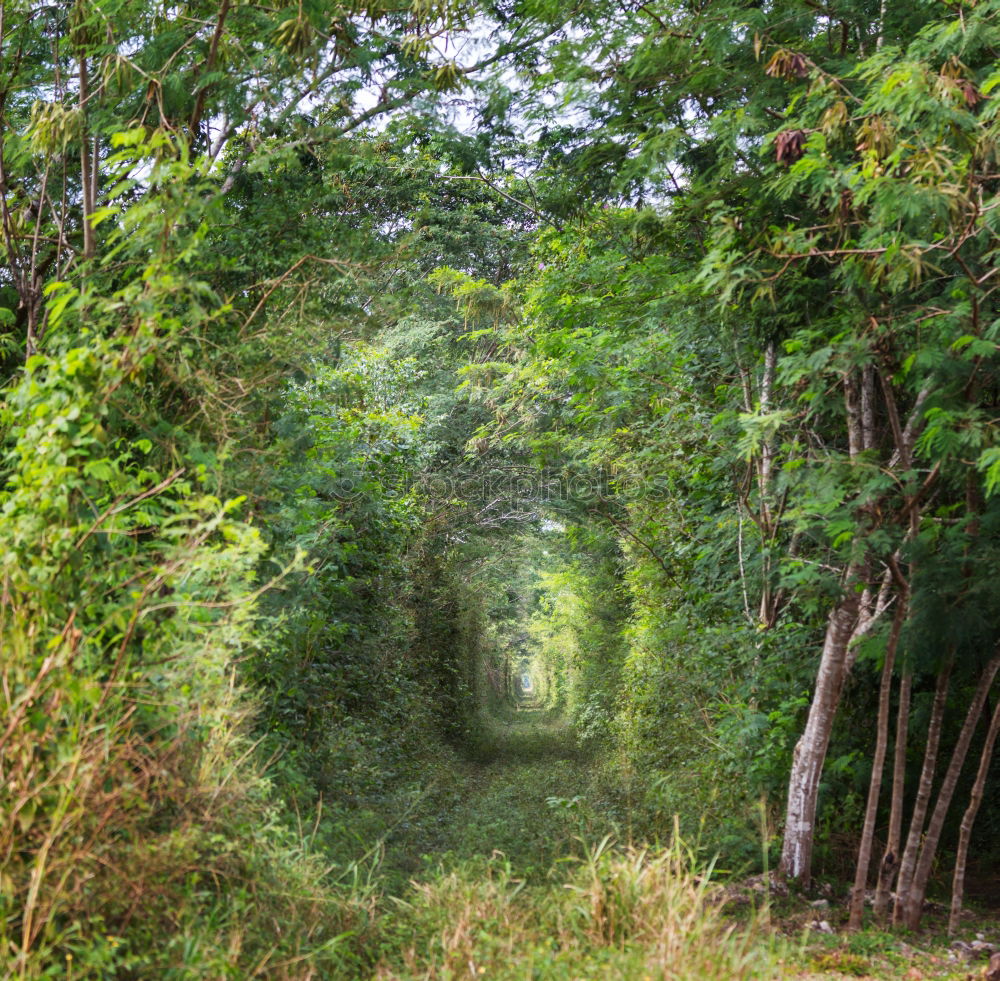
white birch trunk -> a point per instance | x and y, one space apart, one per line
810 751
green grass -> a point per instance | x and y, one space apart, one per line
516 863
521 788
612 913
521 877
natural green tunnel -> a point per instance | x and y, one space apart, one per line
502 490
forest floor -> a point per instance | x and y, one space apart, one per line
518 789
507 869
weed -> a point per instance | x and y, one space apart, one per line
843 962
614 912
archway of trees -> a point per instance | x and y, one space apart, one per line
433 429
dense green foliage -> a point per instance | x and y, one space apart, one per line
431 430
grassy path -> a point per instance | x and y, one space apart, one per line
519 790
498 874
509 885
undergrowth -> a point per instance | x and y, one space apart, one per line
139 839
611 913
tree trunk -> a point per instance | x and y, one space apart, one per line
968 819
767 611
855 425
890 859
924 785
878 765
922 873
810 751
86 185
868 431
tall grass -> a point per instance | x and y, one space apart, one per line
614 913
137 841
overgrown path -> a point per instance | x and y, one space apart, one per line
508 877
503 869
522 788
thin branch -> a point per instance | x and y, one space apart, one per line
621 526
